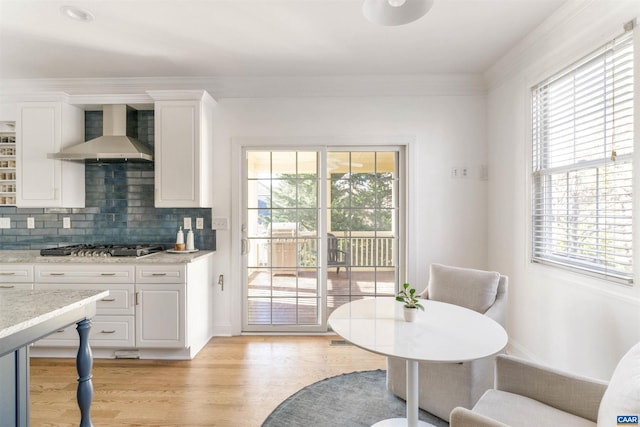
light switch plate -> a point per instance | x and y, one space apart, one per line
220 223
66 222
5 222
187 224
31 222
199 223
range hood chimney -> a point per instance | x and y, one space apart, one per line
113 145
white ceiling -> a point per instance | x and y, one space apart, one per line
197 38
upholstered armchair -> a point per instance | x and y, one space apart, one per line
444 386
530 394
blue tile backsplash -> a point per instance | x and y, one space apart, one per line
119 204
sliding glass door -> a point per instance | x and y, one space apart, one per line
362 213
320 229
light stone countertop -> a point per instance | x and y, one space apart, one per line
34 257
20 310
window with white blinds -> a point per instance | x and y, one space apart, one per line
582 164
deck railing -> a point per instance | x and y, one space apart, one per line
364 251
369 250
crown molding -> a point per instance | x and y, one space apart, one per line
181 95
110 98
256 87
588 23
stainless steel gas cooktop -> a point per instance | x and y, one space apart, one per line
83 250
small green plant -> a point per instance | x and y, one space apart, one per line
407 296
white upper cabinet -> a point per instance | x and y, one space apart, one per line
183 148
43 128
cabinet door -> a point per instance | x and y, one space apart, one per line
183 149
176 153
160 315
43 128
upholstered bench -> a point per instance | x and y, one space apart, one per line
529 394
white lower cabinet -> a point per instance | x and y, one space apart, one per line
152 311
161 306
16 276
114 323
160 315
106 331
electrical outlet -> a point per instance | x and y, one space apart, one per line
199 223
220 223
187 224
455 172
464 172
5 222
66 222
31 222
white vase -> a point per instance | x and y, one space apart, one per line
409 314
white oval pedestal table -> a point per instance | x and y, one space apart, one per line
443 333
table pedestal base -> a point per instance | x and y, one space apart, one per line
412 402
399 422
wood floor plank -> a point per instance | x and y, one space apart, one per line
232 382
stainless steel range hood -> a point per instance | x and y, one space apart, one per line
113 145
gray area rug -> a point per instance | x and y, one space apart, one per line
347 400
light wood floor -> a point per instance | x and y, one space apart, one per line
234 381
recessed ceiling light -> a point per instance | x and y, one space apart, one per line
76 13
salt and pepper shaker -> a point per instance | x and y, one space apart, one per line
179 240
190 243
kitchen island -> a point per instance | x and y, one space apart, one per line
25 317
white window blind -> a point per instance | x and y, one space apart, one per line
582 164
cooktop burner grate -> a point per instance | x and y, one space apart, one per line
86 250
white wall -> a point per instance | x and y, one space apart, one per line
447 216
565 319
8 112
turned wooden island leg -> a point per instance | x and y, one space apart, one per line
84 363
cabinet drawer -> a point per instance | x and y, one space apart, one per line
112 331
16 273
15 286
119 301
161 274
78 273
106 331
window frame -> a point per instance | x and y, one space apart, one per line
545 254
